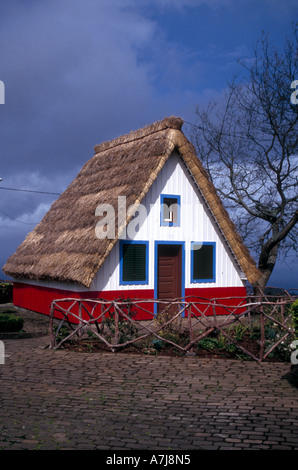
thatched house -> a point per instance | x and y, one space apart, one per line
180 243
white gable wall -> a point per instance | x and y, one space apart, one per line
196 224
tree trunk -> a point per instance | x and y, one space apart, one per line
266 266
267 261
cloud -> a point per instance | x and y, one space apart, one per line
181 4
8 223
72 66
77 73
73 78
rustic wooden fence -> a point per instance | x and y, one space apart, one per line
115 324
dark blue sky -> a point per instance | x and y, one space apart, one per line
79 72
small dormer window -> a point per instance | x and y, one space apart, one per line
170 210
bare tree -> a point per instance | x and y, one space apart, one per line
249 146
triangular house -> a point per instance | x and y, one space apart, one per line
181 242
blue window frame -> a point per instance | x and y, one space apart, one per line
169 210
133 262
203 262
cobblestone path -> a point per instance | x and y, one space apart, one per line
69 400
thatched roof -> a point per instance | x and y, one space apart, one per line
64 246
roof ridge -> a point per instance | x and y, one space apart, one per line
172 122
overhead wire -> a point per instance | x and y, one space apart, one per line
17 220
26 191
29 191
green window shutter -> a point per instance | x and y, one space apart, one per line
134 262
203 262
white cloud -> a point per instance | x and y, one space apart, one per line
8 222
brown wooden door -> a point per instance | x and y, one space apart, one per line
169 272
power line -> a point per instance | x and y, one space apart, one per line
26 191
29 191
16 220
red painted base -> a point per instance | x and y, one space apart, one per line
224 299
39 299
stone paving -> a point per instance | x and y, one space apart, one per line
76 401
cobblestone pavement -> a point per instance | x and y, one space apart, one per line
70 400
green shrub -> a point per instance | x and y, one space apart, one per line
294 313
5 292
61 333
127 330
209 344
10 323
176 337
221 345
240 331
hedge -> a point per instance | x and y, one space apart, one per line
10 323
5 292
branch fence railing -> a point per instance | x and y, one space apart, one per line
197 318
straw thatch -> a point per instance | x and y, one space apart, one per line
64 246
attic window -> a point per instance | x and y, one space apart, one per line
170 210
133 262
203 262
